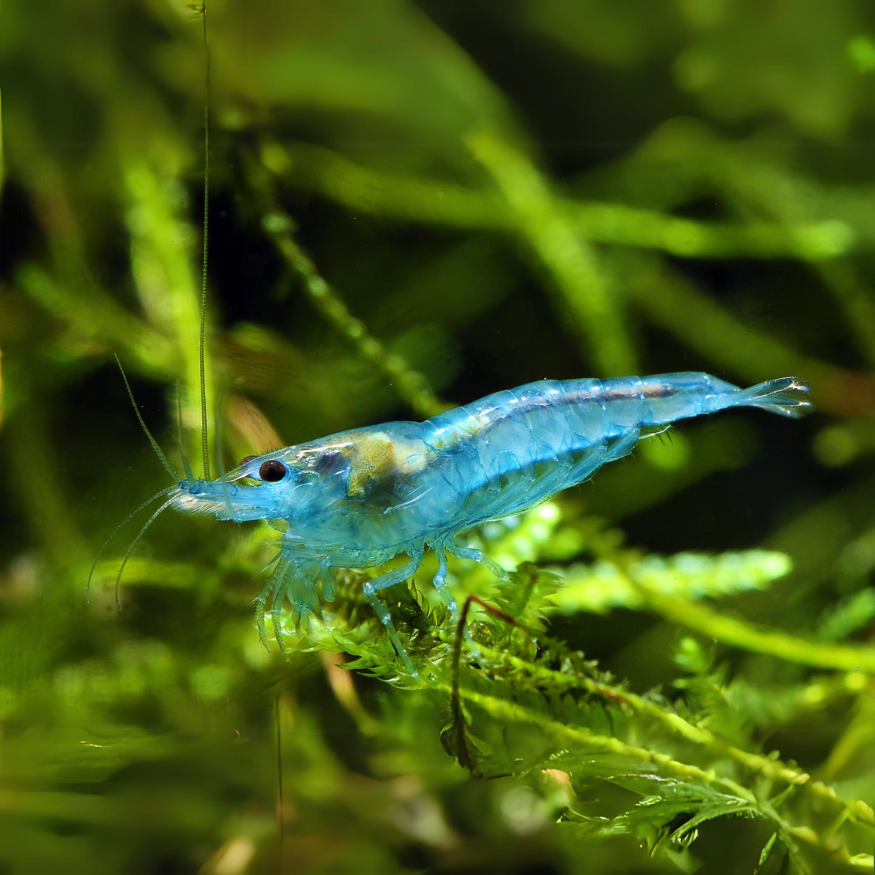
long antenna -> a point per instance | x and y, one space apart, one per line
220 463
115 531
203 379
158 451
130 550
185 465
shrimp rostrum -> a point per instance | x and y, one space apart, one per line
359 498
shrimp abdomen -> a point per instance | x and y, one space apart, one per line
519 447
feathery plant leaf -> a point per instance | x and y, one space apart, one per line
522 702
405 215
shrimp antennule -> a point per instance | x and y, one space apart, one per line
130 550
158 451
185 465
218 442
116 530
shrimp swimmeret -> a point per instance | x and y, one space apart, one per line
359 498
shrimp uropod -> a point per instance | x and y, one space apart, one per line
358 498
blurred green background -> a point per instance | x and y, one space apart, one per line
413 204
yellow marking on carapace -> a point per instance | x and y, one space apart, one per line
376 458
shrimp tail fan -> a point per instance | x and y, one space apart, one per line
786 395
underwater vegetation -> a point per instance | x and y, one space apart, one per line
413 205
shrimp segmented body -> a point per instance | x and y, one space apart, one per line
359 498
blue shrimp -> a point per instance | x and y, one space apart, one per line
362 497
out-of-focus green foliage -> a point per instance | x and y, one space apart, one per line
413 204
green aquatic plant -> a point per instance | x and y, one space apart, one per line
518 701
411 205
524 703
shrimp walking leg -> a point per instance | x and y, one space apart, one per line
288 580
440 578
384 581
276 606
328 582
480 557
260 601
272 585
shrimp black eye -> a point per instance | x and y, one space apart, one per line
245 460
272 471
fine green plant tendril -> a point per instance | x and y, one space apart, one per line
2 401
205 446
676 305
96 318
571 265
734 729
410 385
412 198
690 576
453 205
841 278
170 287
672 588
498 672
2 161
738 633
851 293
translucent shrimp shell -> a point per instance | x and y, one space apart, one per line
358 498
